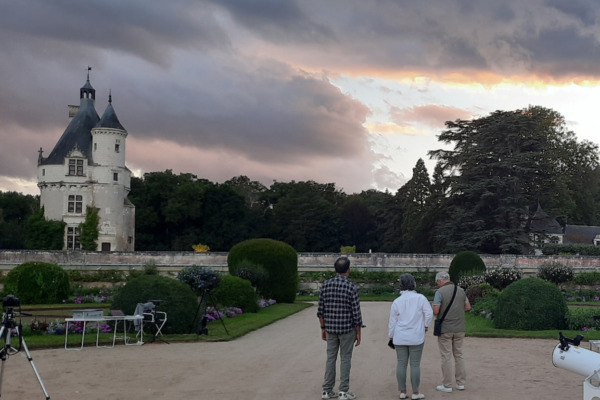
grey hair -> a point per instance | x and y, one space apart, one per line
442 276
407 282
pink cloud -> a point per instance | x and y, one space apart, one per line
431 115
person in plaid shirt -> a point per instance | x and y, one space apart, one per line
341 321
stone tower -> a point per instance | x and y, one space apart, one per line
85 169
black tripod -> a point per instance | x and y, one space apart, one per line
6 331
202 329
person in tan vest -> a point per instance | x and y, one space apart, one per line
451 340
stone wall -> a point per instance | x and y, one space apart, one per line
307 262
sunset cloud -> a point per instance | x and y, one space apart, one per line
342 91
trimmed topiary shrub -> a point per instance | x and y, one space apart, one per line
531 304
279 259
466 263
180 302
555 272
38 283
236 292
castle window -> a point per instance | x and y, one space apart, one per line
73 238
95 146
75 204
115 176
76 167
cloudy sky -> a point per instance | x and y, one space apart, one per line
346 91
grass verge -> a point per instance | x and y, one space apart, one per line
237 326
242 324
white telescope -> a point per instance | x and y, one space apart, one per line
570 356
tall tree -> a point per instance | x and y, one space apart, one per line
414 197
357 224
15 208
305 215
501 166
389 224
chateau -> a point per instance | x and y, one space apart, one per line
86 169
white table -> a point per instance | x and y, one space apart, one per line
107 318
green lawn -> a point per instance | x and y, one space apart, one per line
236 327
242 324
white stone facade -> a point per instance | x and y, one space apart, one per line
85 169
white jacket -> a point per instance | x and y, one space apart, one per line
409 315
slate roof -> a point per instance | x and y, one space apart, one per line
580 234
109 118
541 222
77 135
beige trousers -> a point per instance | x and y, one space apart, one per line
453 363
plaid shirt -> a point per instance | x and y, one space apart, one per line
339 305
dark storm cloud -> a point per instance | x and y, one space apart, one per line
269 118
150 30
507 38
253 77
276 20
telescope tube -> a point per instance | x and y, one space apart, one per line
576 359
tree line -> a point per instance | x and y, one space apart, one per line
484 189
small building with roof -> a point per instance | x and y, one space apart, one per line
86 169
544 229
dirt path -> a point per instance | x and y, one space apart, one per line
283 361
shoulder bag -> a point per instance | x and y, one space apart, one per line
437 327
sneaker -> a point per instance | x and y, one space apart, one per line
403 395
418 396
460 387
347 395
443 388
329 394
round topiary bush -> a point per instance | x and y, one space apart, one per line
279 259
531 304
180 302
236 292
466 263
38 283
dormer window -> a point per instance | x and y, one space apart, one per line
76 167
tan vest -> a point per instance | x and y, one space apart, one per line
455 319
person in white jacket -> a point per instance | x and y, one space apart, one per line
410 317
